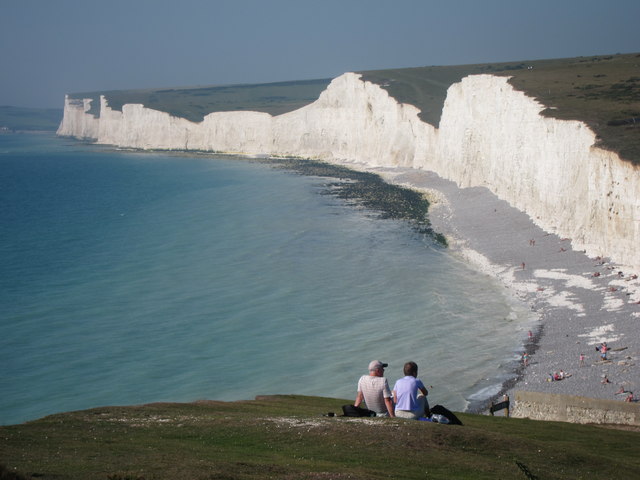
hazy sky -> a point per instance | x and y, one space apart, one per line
51 47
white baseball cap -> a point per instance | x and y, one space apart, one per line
374 365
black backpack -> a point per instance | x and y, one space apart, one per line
448 414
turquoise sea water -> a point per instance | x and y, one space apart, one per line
131 278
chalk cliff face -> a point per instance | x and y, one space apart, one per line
489 135
76 122
493 135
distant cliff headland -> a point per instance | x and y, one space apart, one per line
18 119
557 139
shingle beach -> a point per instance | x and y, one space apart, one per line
580 302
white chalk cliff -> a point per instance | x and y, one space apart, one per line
489 135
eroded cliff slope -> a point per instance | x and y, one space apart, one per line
489 135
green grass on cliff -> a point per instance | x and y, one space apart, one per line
286 437
601 91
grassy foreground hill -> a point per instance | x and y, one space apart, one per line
287 437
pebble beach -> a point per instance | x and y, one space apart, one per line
578 302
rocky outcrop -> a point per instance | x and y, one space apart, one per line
489 135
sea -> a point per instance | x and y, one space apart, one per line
137 277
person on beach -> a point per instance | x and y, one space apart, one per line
410 394
525 359
603 348
373 390
557 376
582 359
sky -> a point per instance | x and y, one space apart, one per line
52 47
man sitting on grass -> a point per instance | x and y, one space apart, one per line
410 394
374 390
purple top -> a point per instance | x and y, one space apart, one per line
406 389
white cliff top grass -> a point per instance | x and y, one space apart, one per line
601 91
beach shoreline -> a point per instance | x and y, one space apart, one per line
577 302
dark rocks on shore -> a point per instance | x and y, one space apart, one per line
368 190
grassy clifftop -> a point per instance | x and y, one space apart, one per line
601 91
287 437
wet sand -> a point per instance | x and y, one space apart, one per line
579 302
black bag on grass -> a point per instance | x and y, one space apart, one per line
353 411
448 414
